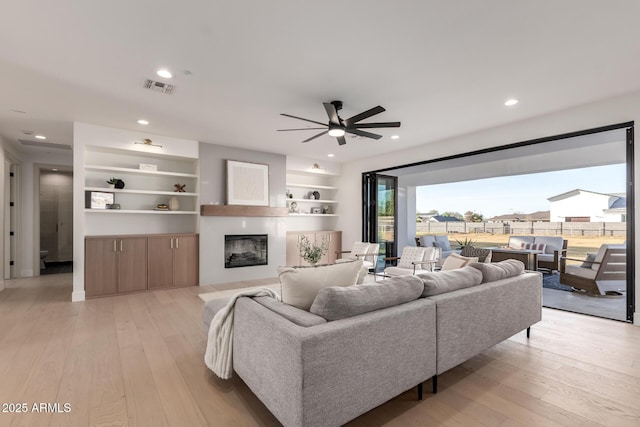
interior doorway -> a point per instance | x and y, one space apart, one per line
56 220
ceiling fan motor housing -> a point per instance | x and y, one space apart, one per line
337 104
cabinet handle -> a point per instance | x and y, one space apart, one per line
172 243
114 246
177 240
120 245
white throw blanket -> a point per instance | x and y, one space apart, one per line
219 354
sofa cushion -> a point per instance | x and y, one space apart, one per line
454 261
588 261
443 243
335 303
301 285
552 243
427 241
291 313
576 270
499 270
472 251
441 282
534 247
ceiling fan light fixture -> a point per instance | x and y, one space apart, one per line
336 132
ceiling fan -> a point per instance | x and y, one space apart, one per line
337 127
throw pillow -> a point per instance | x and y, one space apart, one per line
448 281
444 242
471 251
301 285
454 261
588 261
499 270
335 303
534 246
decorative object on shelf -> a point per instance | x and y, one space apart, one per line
148 143
97 199
112 182
115 206
312 252
179 188
315 210
312 196
148 167
293 207
247 183
119 184
289 195
162 207
174 204
325 209
316 195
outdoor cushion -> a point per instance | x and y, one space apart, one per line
471 251
499 270
534 247
552 243
335 303
588 261
301 285
575 270
454 261
448 281
427 240
515 242
443 242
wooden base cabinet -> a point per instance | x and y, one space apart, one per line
173 261
333 238
121 264
115 265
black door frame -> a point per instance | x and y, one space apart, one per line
369 176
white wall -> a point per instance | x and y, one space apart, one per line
610 111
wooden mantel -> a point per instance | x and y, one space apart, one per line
241 210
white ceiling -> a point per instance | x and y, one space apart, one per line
443 68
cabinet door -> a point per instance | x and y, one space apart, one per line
293 251
160 262
185 260
324 238
335 245
100 267
132 264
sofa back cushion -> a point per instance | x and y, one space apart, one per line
443 243
552 243
515 242
335 303
454 261
301 285
427 240
440 282
296 315
499 270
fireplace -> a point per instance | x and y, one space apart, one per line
245 250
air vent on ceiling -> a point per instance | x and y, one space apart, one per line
158 86
44 144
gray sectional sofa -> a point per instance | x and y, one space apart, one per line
360 346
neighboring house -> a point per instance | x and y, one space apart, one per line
442 218
540 216
588 206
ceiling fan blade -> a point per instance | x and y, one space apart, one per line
341 140
332 113
376 125
316 136
363 133
286 130
300 118
372 112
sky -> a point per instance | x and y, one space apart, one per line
520 193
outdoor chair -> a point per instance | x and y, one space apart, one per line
606 275
413 260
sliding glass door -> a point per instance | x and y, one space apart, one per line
379 218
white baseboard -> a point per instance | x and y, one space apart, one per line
636 318
77 296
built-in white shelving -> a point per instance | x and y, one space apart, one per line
312 186
138 171
139 211
312 201
163 193
301 184
306 214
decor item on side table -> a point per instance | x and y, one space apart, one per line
312 252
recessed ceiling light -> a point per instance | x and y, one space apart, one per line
40 137
164 73
395 136
143 122
510 102
330 155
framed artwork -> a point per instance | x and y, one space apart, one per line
247 183
98 199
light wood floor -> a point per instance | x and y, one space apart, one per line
137 360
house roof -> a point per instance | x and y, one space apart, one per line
577 192
534 216
238 65
442 218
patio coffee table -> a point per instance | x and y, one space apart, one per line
527 256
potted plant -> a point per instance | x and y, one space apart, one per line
111 183
468 241
312 252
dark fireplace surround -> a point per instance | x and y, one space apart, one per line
245 250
